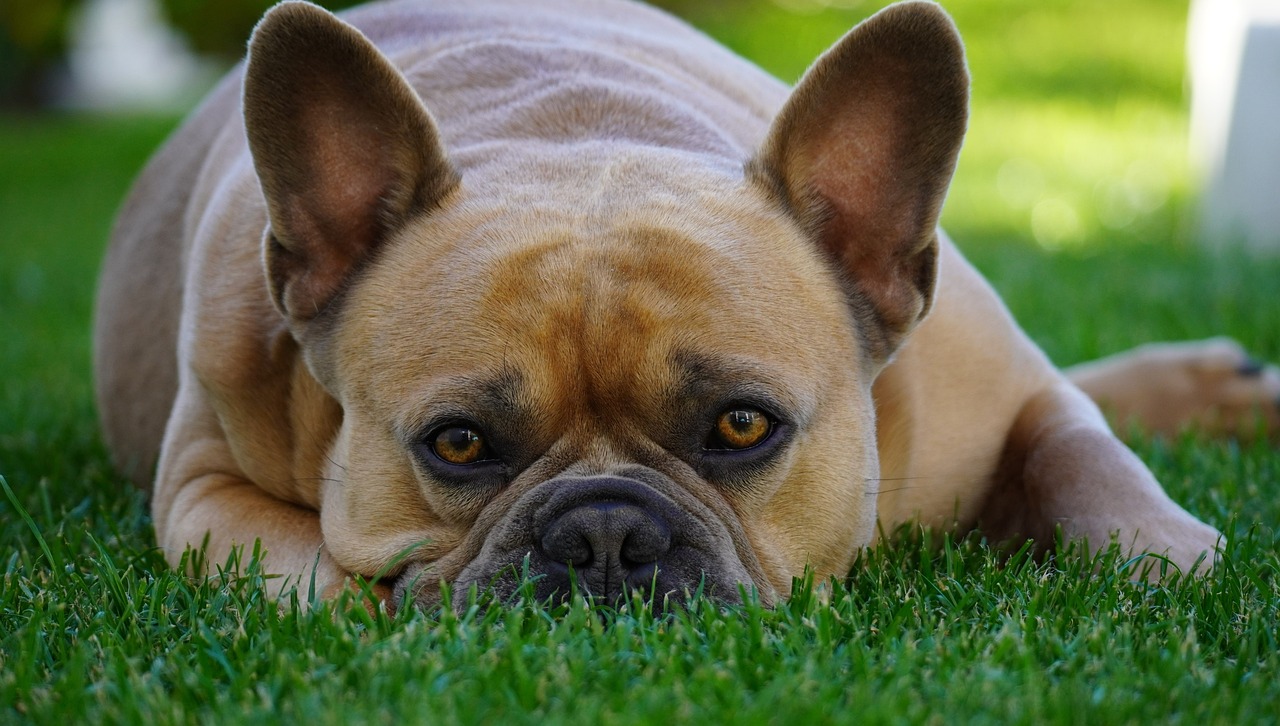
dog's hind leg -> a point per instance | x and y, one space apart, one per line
1208 385
1063 469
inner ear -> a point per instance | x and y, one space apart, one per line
344 149
862 153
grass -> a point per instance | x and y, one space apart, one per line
1077 105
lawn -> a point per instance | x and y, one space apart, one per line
1074 196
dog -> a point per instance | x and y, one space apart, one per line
440 293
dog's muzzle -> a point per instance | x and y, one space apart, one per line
608 543
607 537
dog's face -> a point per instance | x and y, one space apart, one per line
621 387
625 365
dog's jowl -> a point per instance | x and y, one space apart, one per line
442 291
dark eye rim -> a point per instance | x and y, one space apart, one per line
779 431
425 444
737 469
713 432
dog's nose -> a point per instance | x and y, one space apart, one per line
610 544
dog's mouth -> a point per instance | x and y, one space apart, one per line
608 538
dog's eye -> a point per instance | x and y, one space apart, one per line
459 445
739 428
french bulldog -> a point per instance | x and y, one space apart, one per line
451 292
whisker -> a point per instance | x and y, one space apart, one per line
888 491
316 478
336 464
898 478
877 480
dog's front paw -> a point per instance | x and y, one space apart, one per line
1212 385
374 596
333 582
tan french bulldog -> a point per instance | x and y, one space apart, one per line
453 287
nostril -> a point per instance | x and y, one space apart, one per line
606 534
646 544
567 545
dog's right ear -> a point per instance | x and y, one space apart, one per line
344 149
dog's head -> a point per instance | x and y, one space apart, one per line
631 365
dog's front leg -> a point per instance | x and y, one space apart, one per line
1063 468
202 499
224 513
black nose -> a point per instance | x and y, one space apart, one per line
610 544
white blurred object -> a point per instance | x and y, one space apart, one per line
124 56
1233 50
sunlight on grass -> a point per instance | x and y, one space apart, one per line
1078 131
1071 196
1067 175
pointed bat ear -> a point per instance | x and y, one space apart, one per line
344 149
863 153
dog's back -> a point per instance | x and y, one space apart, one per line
573 70
139 297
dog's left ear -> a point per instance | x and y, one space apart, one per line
863 152
344 149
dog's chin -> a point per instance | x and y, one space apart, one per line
419 588
606 538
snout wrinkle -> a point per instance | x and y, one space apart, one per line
622 533
609 536
609 543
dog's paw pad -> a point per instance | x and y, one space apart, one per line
1211 385
1239 400
1251 368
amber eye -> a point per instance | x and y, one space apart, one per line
459 445
739 428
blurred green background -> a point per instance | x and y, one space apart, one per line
1073 193
1079 123
1079 109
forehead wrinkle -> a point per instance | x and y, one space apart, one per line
703 375
593 307
480 395
643 295
600 303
